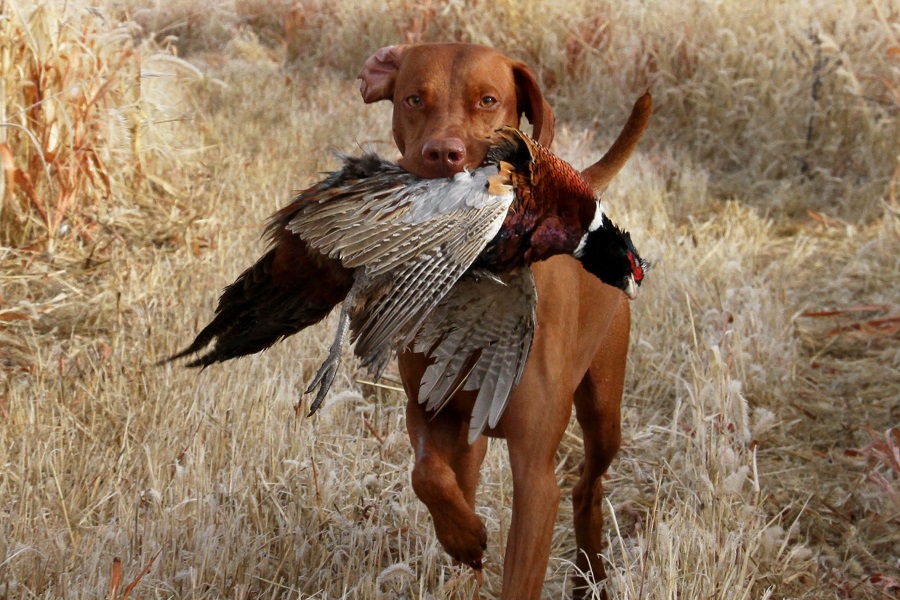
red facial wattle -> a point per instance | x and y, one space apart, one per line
636 268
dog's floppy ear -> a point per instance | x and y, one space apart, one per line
380 72
533 104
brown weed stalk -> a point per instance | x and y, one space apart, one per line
68 80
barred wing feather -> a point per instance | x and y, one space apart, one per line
410 241
386 220
490 316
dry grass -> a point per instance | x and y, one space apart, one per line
759 458
759 92
82 123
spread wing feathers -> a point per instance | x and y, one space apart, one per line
409 241
479 337
425 277
385 221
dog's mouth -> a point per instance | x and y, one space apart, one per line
429 171
416 162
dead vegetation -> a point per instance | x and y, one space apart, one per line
69 90
142 150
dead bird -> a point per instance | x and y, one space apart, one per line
442 264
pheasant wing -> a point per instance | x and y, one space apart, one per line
411 240
479 337
389 218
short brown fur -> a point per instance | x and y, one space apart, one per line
447 99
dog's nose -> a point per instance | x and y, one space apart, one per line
446 155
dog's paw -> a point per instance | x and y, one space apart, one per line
465 544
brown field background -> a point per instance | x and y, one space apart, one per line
143 144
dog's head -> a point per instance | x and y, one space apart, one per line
448 98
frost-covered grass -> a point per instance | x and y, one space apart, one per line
763 372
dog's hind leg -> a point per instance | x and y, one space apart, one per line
598 411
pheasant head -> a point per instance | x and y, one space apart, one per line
608 253
557 212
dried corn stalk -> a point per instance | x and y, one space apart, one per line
70 88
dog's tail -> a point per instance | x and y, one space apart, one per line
599 174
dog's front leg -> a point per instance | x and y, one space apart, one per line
447 468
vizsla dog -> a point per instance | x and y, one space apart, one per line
447 99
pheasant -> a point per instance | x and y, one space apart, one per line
442 265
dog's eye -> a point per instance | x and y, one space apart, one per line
487 102
414 101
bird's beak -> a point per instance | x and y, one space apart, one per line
631 288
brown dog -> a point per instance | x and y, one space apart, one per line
447 99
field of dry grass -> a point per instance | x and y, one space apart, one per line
143 145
